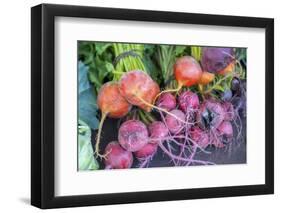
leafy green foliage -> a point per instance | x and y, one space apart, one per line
148 59
86 159
98 57
86 98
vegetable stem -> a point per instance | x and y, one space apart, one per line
97 148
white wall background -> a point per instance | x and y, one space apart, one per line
15 105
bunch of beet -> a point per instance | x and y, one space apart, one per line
190 126
185 124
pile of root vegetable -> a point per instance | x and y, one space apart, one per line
201 104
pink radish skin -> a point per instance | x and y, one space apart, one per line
166 101
188 101
147 151
158 131
175 125
133 135
117 157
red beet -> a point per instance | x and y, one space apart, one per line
187 71
147 151
175 125
199 137
225 129
139 89
117 157
188 101
157 131
166 101
133 135
215 59
228 111
210 115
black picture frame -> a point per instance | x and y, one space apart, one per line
43 102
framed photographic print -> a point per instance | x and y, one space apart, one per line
140 106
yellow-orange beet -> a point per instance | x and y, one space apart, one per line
111 102
139 89
206 78
187 71
228 69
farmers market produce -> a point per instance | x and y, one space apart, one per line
167 105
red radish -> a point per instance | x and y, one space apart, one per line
133 135
188 101
228 111
199 137
187 71
117 157
173 124
157 131
112 104
225 129
166 101
139 89
147 151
